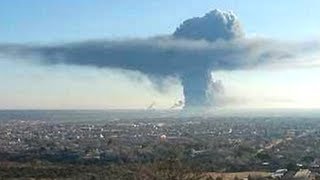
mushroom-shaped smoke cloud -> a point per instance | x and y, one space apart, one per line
215 25
200 45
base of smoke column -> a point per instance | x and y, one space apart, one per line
195 110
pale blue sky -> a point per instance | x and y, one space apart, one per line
41 21
60 20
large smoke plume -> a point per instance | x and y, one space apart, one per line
211 27
199 46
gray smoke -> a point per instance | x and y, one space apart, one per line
200 45
151 106
177 104
215 25
211 27
216 93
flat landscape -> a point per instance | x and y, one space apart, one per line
160 147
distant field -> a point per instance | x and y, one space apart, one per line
240 175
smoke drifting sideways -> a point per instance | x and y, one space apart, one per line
199 46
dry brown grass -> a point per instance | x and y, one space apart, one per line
240 175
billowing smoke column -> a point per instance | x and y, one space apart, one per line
200 45
216 25
213 26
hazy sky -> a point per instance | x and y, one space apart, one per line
28 86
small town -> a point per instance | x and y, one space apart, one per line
215 147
